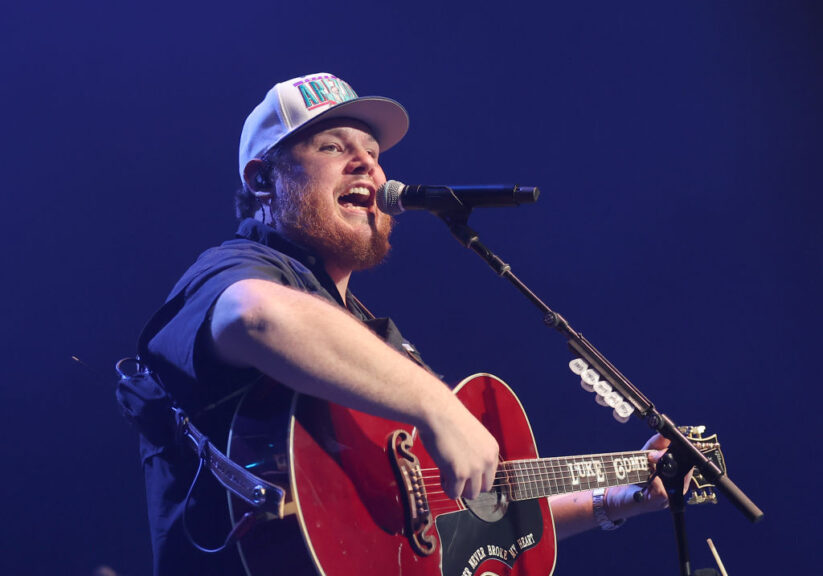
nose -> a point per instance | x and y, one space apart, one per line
361 162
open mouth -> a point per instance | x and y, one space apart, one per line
357 197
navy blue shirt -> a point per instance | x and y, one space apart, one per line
180 352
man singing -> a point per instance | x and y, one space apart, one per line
275 302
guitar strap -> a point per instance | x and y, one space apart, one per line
386 329
145 402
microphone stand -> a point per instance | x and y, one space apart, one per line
681 456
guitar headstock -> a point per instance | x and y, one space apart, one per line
702 491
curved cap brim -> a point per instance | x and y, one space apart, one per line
387 118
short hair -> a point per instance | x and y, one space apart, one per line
278 160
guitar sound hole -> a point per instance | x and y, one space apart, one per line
489 506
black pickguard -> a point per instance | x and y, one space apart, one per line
467 541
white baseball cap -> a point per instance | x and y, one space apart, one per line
298 103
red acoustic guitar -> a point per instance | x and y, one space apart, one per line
366 497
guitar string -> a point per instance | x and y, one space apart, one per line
564 460
538 472
543 484
544 477
534 478
537 488
543 474
435 494
537 478
533 481
436 498
552 466
552 473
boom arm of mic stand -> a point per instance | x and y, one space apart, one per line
458 225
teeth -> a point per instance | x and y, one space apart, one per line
358 197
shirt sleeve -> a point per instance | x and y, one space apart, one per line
181 349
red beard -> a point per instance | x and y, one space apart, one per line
298 215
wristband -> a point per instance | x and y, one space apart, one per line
600 515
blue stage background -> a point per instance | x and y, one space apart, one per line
678 148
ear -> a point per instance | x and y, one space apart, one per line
257 180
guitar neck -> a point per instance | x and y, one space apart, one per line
538 478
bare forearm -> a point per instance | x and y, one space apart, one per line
318 349
572 514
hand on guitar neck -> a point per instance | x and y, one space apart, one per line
573 513
623 501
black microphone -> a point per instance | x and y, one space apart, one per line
394 197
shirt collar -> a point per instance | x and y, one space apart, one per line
257 231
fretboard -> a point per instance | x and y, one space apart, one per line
529 479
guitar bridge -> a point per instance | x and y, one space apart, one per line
413 492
